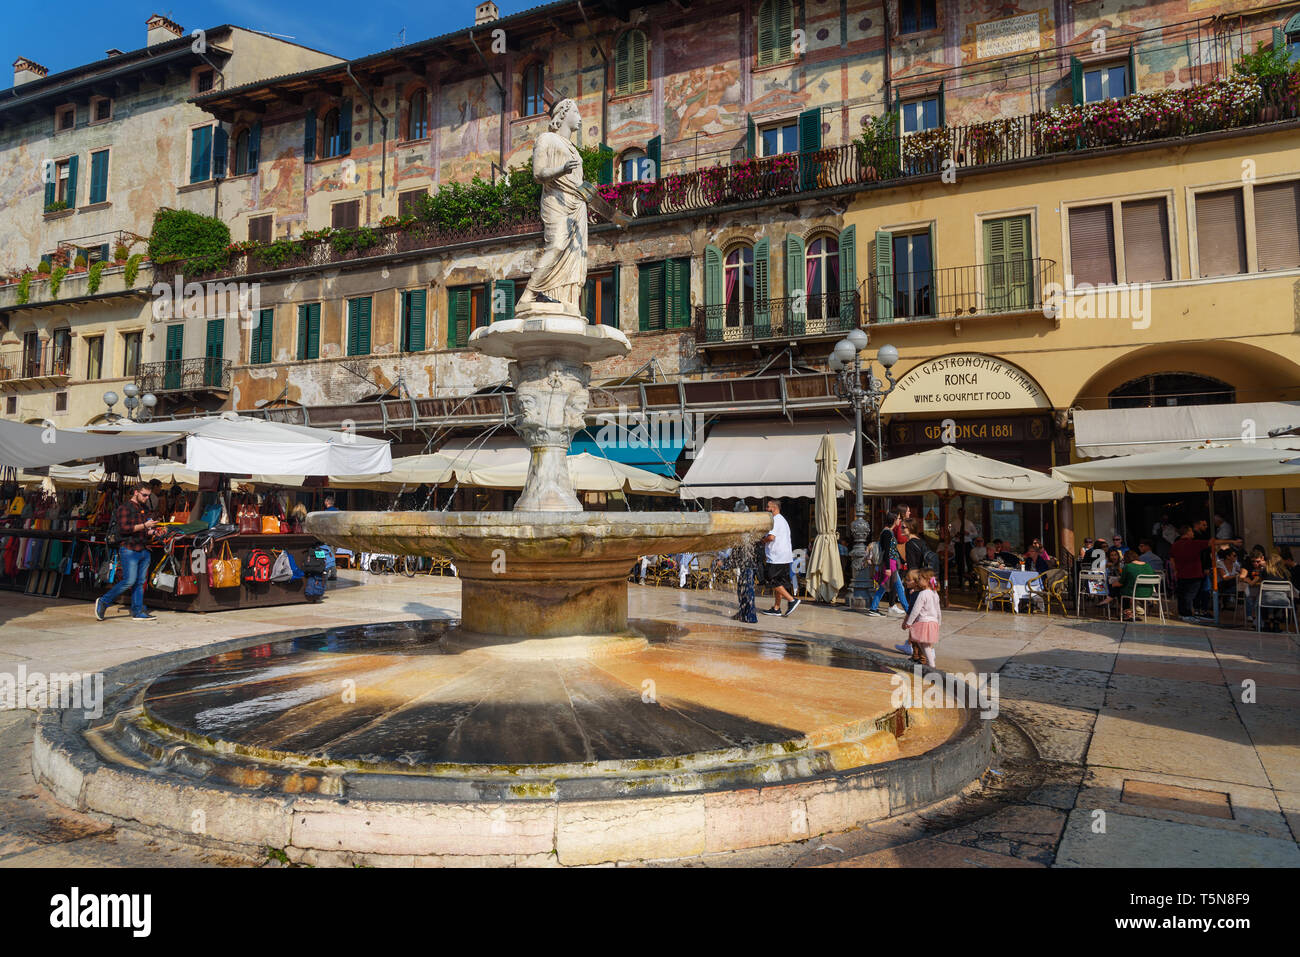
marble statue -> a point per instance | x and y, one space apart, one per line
561 271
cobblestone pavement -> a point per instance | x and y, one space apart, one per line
1117 745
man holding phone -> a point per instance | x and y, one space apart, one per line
132 555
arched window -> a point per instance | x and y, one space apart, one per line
1291 37
630 165
822 277
330 134
240 163
631 72
1171 388
533 102
775 32
738 285
417 115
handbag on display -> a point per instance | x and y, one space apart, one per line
164 574
249 522
223 571
211 514
270 525
187 585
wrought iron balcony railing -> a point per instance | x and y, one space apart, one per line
791 318
958 292
184 375
46 362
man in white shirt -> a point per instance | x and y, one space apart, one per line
1222 528
979 552
778 554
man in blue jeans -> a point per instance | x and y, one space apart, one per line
132 557
891 565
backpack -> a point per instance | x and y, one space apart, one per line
314 587
281 569
316 562
257 566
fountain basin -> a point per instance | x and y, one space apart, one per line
541 575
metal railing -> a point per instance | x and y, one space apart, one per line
956 292
184 375
47 361
788 318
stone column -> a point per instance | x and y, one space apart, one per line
551 397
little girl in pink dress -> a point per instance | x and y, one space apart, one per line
923 620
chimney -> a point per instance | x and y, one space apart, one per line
113 52
161 30
26 70
485 13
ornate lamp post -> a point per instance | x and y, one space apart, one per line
846 361
137 406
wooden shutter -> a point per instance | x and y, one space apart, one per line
309 137
1006 255
458 318
200 154
503 290
654 152
796 281
762 289
266 347
1076 80
714 299
1221 233
175 342
638 71
220 150
606 172
884 311
304 330
651 296
622 64
1277 225
254 146
72 182
678 292
1146 240
1092 244
810 141
98 177
359 327
1132 72
751 137
345 128
848 275
413 303
784 28
216 344
941 111
51 186
767 33
255 342
614 318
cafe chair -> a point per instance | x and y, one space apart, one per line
699 571
999 591
1085 592
1051 585
1157 595
1276 595
663 572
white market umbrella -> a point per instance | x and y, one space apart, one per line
825 575
588 472
409 471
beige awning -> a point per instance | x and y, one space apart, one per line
1227 467
588 472
410 471
950 469
769 458
1105 432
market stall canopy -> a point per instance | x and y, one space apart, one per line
486 451
410 471
1107 432
241 445
34 446
950 469
763 459
1226 467
589 474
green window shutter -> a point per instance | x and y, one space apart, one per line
1076 80
345 127
715 304
638 74
51 186
254 146
884 311
220 151
810 141
98 176
1006 253
942 118
653 152
762 289
303 320
255 343
309 138
175 342
414 305
359 327
458 316
848 275
751 137
200 154
678 292
784 12
1279 38
267 329
1132 71
503 293
796 279
651 298
616 320
72 182
606 175
623 64
103 253
216 345
313 331
767 33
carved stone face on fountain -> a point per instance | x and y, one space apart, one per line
551 396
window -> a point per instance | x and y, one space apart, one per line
203 81
65 118
309 331
918 115
214 353
1146 240
130 354
64 187
738 285
408 201
346 215
466 312
330 132
664 294
201 154
259 228
632 165
101 109
779 138
1092 245
413 303
1008 273
94 358
417 115
359 327
533 101
1277 225
336 133
1171 388
60 352
174 356
1221 233
11 405
916 15
239 163
1105 83
98 177
822 278
905 275
775 32
600 298
1289 37
60 402
630 58
262 342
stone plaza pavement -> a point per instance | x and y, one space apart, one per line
1117 745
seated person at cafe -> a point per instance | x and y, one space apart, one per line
978 552
1114 568
1036 560
1133 567
1146 553
1271 605
1003 553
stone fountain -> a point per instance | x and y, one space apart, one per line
542 726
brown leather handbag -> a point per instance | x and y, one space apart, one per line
224 570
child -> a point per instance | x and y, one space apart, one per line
912 586
922 622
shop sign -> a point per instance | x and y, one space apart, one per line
965 382
963 432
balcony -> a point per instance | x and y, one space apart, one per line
27 370
803 318
955 293
184 376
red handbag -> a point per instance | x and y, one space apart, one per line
249 522
187 585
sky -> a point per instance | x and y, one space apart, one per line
344 28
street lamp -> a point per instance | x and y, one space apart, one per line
137 406
846 361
